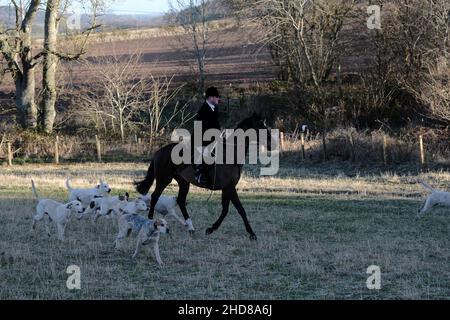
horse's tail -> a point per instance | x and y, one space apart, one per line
143 186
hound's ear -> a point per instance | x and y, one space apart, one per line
127 196
98 186
78 199
69 206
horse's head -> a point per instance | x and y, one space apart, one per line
256 122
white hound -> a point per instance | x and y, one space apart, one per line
167 206
105 205
435 198
85 195
57 212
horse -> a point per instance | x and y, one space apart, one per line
225 177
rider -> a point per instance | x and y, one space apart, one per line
208 114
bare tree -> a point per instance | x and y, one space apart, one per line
305 35
434 90
119 100
55 11
16 48
192 16
430 81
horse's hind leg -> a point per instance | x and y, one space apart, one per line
237 203
160 186
181 201
225 207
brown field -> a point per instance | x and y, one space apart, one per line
233 59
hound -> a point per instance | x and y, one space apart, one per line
134 207
166 206
104 205
85 195
56 212
435 198
144 229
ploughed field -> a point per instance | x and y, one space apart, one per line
234 57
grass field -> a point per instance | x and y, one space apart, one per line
318 231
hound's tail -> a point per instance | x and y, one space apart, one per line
143 186
427 186
33 187
68 184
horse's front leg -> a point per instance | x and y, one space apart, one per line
238 205
225 207
181 201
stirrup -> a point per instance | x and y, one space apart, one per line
201 179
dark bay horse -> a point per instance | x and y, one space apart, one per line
225 177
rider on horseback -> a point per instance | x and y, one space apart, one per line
208 114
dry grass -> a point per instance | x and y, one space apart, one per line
315 241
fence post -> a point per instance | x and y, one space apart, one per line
422 151
57 150
281 142
138 148
302 140
10 155
352 147
385 149
99 153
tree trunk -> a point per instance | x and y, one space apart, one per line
22 66
324 144
122 130
50 64
25 98
25 81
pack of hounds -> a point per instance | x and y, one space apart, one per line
97 202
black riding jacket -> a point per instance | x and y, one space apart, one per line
209 119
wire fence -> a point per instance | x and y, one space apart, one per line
348 145
72 149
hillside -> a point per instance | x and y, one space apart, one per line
108 21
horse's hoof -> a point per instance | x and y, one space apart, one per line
209 231
253 237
